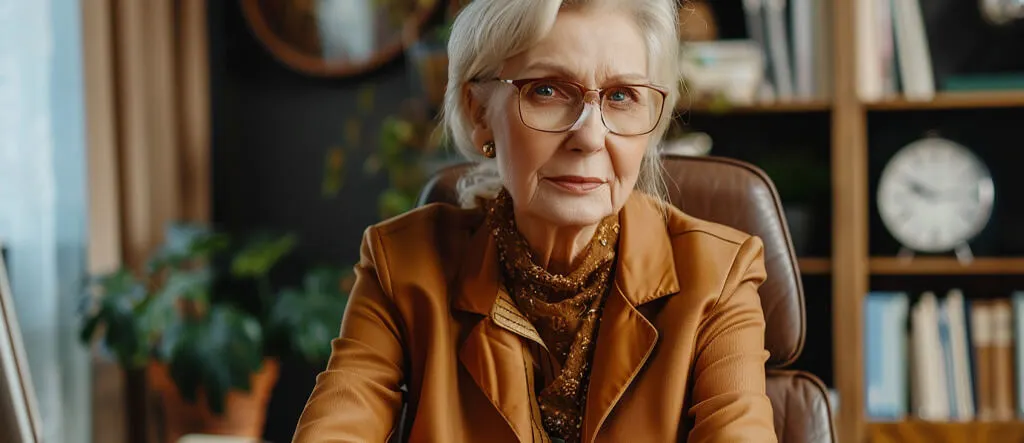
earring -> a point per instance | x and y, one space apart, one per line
489 150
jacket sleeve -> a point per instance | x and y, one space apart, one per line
728 396
358 398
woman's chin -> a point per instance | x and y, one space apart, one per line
566 211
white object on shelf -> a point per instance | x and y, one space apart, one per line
734 68
694 144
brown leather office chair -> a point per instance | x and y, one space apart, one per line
742 196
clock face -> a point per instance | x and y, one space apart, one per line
935 195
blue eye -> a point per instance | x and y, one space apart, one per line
618 96
546 91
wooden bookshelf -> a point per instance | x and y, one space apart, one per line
916 431
954 100
945 266
815 266
853 266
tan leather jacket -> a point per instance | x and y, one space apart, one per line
680 350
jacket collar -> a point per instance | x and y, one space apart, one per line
645 268
493 355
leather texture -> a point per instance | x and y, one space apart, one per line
735 194
802 411
679 356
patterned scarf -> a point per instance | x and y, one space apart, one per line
565 310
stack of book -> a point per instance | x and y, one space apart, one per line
944 358
915 47
795 38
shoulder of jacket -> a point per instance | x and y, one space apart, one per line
683 224
723 254
428 219
425 240
424 228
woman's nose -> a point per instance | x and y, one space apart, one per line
588 134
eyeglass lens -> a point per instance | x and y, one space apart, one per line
551 105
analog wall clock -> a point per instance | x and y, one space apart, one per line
935 195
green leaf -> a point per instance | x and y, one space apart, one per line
217 353
260 256
160 312
393 202
89 329
310 317
189 285
112 302
185 242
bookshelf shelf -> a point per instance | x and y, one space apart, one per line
945 266
914 431
684 107
954 100
815 266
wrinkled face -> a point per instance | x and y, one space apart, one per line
578 176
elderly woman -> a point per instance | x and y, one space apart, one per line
565 301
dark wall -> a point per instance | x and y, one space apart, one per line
273 129
272 132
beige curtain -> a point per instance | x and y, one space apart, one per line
147 110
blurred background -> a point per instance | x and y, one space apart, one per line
184 185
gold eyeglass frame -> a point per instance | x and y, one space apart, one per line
519 83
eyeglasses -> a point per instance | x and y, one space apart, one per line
556 105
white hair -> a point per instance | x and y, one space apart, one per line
488 32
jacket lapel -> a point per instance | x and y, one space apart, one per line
645 271
496 358
493 356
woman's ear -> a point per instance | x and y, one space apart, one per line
477 113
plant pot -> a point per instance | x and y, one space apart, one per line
244 412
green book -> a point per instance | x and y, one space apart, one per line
984 82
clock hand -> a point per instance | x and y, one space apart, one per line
917 188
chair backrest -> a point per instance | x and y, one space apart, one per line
732 193
18 413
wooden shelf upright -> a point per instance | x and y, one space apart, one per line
850 275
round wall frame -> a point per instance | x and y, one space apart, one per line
336 38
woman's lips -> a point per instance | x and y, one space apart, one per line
576 184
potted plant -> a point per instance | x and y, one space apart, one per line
206 325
